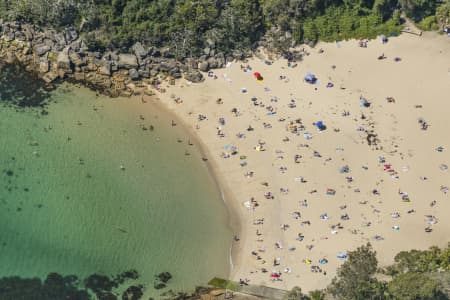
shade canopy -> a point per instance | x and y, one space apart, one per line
310 78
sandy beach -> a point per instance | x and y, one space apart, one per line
311 171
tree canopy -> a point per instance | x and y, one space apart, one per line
229 24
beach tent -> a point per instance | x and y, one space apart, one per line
258 76
310 78
363 102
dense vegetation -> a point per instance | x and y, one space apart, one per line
415 275
228 24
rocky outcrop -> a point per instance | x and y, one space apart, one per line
64 54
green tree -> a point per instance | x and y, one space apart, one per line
317 295
385 8
443 13
419 9
247 21
415 286
354 278
295 294
310 32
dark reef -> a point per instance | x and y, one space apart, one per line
20 88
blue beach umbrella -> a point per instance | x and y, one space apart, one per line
310 78
320 125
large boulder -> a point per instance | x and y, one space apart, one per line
194 76
105 68
28 31
128 61
139 50
76 59
71 34
213 63
133 74
60 40
144 73
63 60
42 49
44 65
166 66
203 66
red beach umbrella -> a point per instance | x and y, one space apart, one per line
257 75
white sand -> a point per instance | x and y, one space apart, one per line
422 77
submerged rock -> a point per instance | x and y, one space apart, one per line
99 283
159 285
164 277
134 292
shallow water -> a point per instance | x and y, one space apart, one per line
67 206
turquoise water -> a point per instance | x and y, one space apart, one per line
85 189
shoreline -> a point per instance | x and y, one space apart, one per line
234 220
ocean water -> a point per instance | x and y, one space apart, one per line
90 188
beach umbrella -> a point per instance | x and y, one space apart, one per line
320 125
310 78
258 76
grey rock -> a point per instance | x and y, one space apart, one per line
76 59
96 55
49 34
213 63
203 66
166 66
63 60
176 75
166 53
207 50
106 56
49 43
50 77
20 36
238 54
192 63
133 74
139 50
44 66
128 61
155 52
10 36
174 70
194 76
153 73
76 45
105 68
42 49
114 56
71 34
60 39
29 32
144 73
114 66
